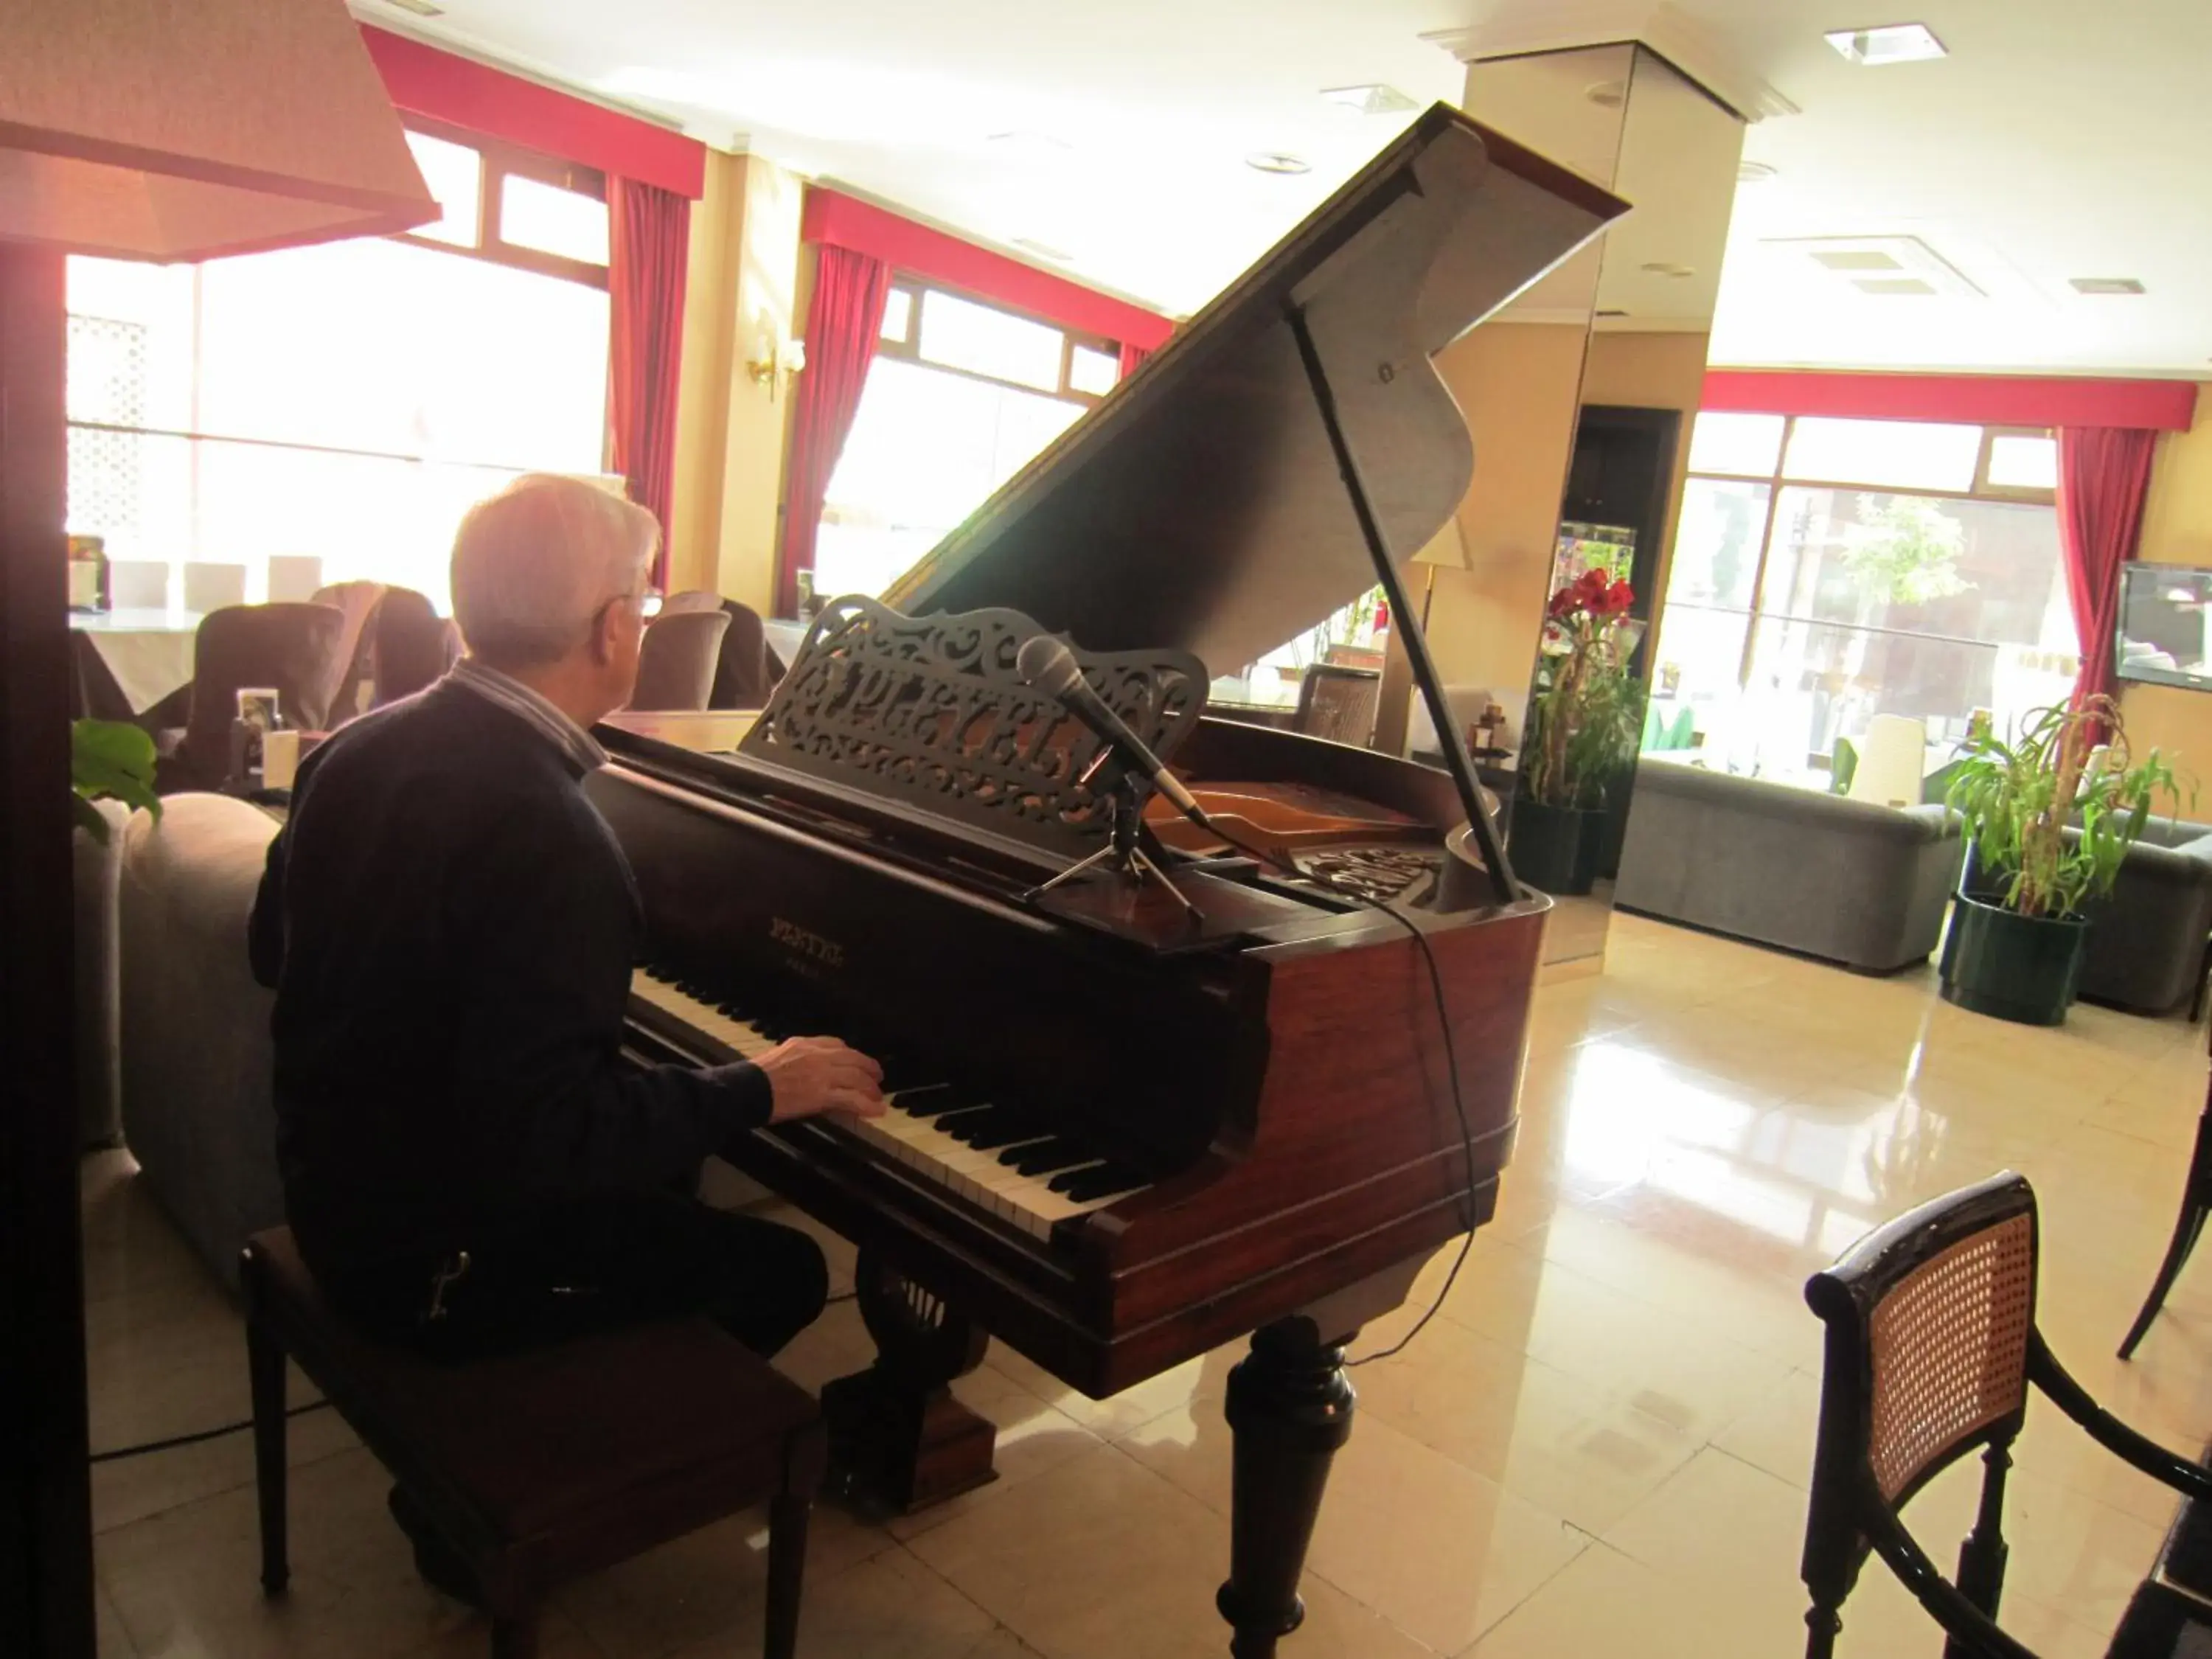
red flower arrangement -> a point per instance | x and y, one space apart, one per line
1592 594
1587 707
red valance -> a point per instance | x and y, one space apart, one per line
846 222
1969 399
484 99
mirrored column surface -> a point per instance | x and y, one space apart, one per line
1579 397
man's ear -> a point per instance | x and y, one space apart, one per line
602 640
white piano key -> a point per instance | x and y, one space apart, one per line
977 1176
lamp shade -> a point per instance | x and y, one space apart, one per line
161 130
1447 547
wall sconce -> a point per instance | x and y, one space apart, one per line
773 361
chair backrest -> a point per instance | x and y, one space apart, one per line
692 599
138 584
292 648
741 675
1892 758
1339 703
358 600
675 665
294 578
1929 1321
208 588
409 645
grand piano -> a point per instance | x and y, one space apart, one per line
1121 1135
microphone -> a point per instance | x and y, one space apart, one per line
1047 664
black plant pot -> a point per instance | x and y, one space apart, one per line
2012 967
1555 849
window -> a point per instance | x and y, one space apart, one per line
1827 571
960 396
348 401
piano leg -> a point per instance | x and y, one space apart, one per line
1289 1406
896 1432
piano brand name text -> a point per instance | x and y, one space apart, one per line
792 936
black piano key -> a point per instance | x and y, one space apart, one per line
1042 1156
940 1102
1014 1129
1108 1177
1060 1182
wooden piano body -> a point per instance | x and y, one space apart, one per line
1273 1096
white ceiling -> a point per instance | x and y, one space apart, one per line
2058 140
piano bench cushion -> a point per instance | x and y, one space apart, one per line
559 1461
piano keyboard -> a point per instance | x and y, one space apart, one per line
1007 1162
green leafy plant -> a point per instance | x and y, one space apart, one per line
1905 551
1586 716
109 760
2018 797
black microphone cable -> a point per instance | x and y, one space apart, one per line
1451 1063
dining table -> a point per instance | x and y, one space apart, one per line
125 662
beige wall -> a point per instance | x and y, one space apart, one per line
2178 530
744 278
1516 384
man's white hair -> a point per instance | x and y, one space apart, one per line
536 563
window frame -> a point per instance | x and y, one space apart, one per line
497 161
1780 479
908 350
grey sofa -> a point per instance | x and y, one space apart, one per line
2146 945
1860 884
194 1024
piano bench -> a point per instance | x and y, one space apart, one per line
538 1467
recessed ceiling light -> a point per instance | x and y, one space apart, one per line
1275 161
1607 94
420 7
1893 43
1372 99
1754 173
2106 285
1043 250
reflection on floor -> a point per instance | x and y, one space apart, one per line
1575 932
1601 1446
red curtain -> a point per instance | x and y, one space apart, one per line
650 237
842 326
2104 474
1132 357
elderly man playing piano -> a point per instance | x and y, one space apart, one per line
470 1165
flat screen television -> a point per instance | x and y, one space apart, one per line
2164 635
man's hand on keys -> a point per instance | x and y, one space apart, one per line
810 1075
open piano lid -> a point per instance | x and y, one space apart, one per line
1200 506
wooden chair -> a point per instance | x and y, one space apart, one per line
537 1469
676 664
2195 1205
1931 1348
1339 703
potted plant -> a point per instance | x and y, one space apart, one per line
1585 716
109 760
2047 822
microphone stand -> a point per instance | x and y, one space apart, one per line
1123 857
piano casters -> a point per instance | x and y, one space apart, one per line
896 1432
1290 1407
1123 857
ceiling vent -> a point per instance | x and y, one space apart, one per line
1888 266
2106 285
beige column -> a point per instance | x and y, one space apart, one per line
742 298
1624 324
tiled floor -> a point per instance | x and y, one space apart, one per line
1599 1448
